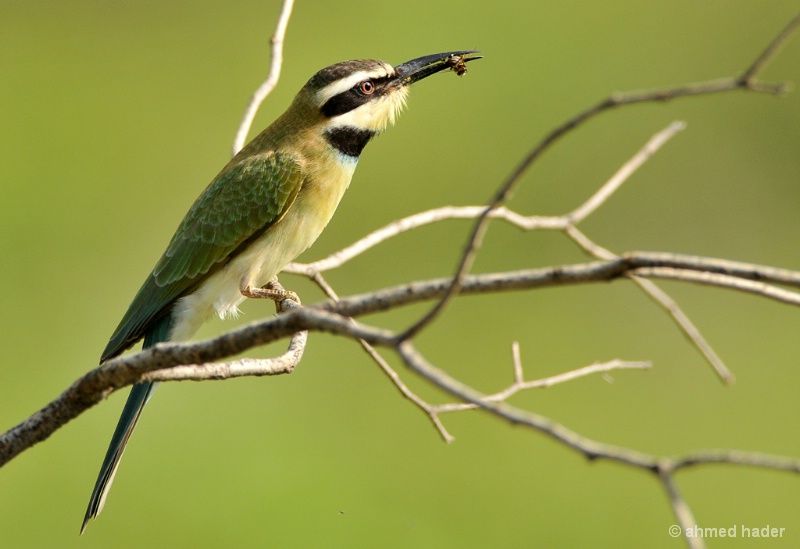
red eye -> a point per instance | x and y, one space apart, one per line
366 87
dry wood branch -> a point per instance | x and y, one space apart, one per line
525 279
661 298
622 175
276 61
388 370
683 512
255 367
521 385
331 317
174 362
416 221
687 327
737 269
721 280
590 448
505 192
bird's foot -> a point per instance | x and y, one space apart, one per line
272 290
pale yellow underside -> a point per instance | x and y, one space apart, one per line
281 244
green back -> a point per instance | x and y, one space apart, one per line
237 207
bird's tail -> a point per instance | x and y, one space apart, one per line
138 397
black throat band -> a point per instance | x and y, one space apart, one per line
348 140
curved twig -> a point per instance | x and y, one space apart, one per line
271 81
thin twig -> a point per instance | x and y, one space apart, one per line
590 448
393 376
529 223
521 385
721 280
612 185
687 327
683 513
339 258
666 302
738 269
245 367
683 322
430 410
771 51
276 61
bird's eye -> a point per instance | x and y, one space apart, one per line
367 87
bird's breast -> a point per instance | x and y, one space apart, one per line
280 244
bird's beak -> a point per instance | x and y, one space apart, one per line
422 67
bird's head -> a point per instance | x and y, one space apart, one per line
355 100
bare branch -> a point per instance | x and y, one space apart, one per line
683 513
431 410
244 367
687 327
661 298
328 317
269 84
722 280
770 52
590 448
283 364
337 259
526 279
564 222
754 459
622 175
119 372
176 362
521 385
508 187
388 370
738 269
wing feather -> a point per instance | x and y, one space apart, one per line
240 204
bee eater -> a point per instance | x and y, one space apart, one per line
266 206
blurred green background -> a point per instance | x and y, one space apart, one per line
115 116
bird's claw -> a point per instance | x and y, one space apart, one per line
269 291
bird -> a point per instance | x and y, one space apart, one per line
266 206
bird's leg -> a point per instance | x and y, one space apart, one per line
271 290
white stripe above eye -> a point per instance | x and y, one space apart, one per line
344 84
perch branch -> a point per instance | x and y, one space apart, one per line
331 317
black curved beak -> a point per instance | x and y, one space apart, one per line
422 67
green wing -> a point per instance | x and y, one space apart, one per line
235 209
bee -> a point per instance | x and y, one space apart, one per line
457 64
